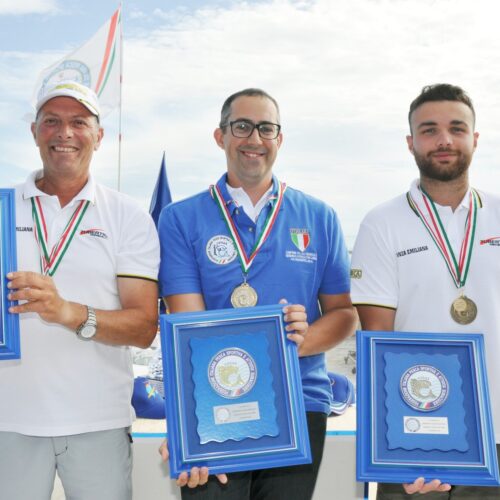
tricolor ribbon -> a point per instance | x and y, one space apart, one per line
432 222
49 262
246 261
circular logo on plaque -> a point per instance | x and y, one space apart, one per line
220 250
423 388
232 372
412 425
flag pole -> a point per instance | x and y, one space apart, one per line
120 105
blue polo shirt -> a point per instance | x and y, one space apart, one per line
304 256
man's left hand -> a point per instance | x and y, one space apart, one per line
296 319
38 293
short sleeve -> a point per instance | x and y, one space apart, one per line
336 275
373 268
139 250
178 268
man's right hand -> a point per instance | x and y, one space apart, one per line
420 486
198 476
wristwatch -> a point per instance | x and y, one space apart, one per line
88 328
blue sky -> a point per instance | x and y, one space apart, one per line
343 71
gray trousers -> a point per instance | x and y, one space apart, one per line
91 466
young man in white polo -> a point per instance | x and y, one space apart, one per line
429 260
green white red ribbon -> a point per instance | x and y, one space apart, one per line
49 262
458 269
246 261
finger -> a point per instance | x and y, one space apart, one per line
182 479
222 478
296 337
444 487
194 478
31 294
431 486
163 451
23 279
203 476
298 327
415 486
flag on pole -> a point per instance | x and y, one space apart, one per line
161 195
96 64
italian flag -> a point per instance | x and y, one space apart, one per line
96 64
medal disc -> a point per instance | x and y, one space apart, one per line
463 310
244 296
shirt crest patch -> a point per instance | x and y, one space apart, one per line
300 238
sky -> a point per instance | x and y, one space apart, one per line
343 71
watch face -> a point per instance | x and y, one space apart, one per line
88 331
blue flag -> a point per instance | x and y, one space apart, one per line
161 195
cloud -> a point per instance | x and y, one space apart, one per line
344 73
22 7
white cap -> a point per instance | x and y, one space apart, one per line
69 88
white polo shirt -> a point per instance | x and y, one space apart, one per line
396 264
63 385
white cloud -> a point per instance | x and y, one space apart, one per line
21 7
344 73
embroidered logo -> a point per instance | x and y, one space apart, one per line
232 372
23 229
97 233
220 250
300 238
492 242
356 274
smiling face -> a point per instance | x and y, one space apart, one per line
250 160
443 139
67 134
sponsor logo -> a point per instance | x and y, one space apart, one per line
492 242
410 251
300 238
424 388
232 373
23 229
356 274
151 391
220 250
97 233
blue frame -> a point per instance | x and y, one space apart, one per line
182 335
430 455
9 325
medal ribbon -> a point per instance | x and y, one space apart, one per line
432 222
246 261
50 262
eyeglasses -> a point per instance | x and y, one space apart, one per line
244 129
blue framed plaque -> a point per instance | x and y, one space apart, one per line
233 391
423 409
9 325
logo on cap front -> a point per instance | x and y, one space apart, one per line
70 69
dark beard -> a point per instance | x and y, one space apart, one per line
442 173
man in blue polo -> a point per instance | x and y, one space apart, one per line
249 240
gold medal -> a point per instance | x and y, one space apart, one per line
463 310
244 296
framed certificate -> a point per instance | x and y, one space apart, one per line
9 327
233 391
423 409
